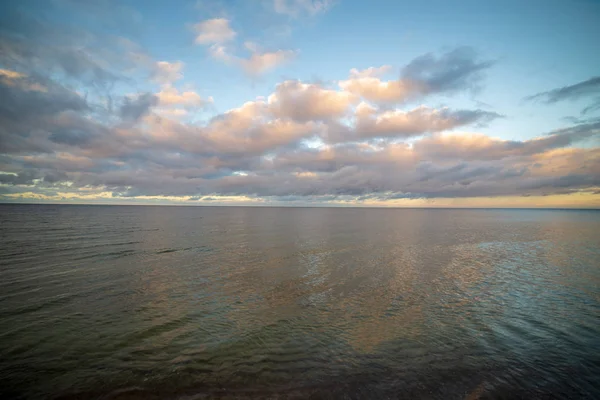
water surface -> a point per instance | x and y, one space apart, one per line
195 302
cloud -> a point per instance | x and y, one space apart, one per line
250 130
165 72
26 113
74 130
261 150
9 76
13 78
134 108
305 102
33 46
371 72
399 123
222 54
83 59
296 8
214 31
455 70
170 96
584 89
374 89
406 172
173 102
482 147
260 62
352 142
458 69
257 63
21 178
71 137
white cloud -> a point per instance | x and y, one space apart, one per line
170 96
213 31
371 72
221 53
172 112
366 84
296 8
261 62
167 72
257 63
303 102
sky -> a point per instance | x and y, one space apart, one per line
301 102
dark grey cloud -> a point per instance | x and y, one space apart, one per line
30 43
72 137
26 111
21 100
55 177
134 109
480 118
572 180
80 53
458 69
589 87
461 69
21 178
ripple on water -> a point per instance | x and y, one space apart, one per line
187 303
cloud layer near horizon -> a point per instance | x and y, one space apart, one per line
73 126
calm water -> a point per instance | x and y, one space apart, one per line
192 302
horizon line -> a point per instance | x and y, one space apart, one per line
2 203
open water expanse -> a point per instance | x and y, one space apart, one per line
147 302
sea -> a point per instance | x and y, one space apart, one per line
169 302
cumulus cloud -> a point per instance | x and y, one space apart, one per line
399 123
347 141
482 147
26 113
214 31
260 62
171 101
170 96
455 70
249 130
374 89
304 102
258 150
